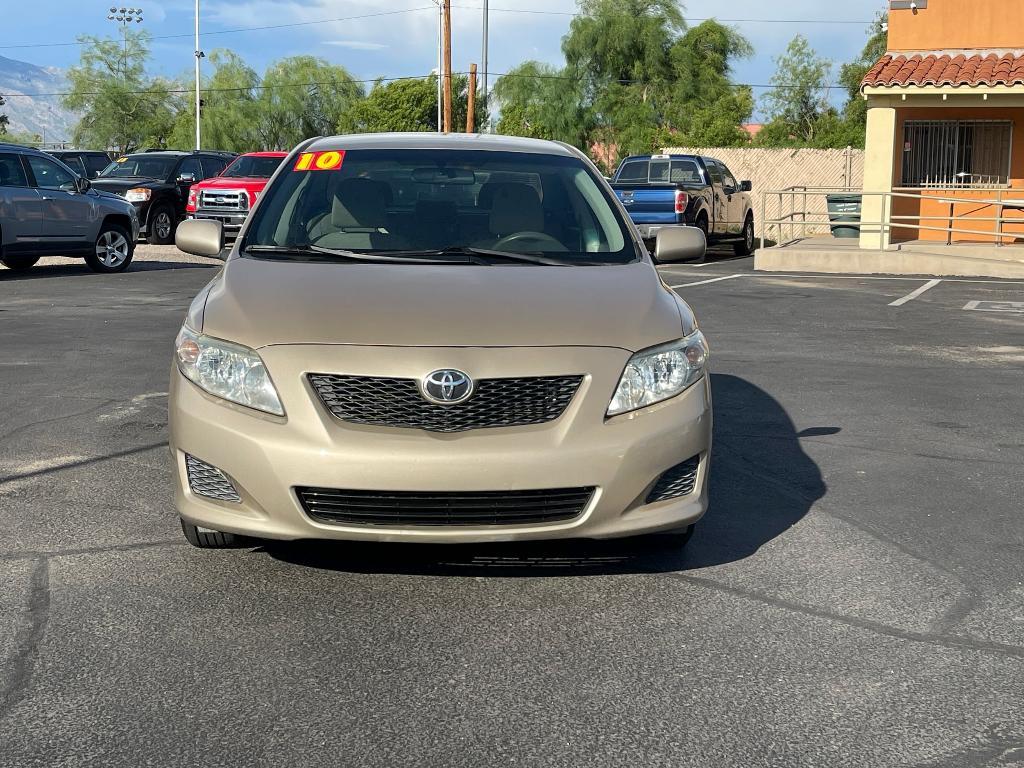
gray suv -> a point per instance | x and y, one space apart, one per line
48 210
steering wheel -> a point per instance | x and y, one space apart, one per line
531 237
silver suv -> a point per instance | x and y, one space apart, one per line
48 210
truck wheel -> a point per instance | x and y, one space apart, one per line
702 225
113 252
160 230
745 246
19 263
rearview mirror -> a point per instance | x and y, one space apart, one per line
680 244
746 186
186 178
200 237
443 176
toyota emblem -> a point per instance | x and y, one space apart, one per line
447 387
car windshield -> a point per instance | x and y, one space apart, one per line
250 167
434 200
139 166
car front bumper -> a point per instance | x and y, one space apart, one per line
266 458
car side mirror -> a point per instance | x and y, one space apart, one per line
680 244
186 178
746 186
200 237
82 184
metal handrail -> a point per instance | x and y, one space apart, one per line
804 218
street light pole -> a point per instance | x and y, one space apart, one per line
199 101
124 17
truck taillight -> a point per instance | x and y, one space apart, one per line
190 206
682 199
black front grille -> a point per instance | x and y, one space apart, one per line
403 508
386 402
675 482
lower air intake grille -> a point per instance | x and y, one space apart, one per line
386 402
675 482
206 480
401 508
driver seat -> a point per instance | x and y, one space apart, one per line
515 208
357 219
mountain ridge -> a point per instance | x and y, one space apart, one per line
42 115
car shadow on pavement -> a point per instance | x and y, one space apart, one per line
762 483
79 269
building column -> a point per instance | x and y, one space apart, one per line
879 157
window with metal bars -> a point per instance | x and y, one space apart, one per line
956 154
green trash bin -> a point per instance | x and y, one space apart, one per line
844 215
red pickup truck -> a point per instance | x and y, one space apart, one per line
229 196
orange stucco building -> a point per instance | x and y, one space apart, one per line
946 122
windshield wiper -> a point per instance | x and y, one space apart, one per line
317 253
534 257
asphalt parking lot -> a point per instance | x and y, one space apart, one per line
855 596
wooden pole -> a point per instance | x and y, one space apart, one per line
471 101
447 65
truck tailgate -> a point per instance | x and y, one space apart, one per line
650 205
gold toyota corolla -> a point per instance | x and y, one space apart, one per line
419 337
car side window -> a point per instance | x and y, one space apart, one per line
12 174
212 166
76 164
190 165
729 180
96 163
714 171
48 174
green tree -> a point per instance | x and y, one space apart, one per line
799 97
855 113
706 109
300 97
231 108
410 104
121 106
541 101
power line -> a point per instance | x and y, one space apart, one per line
430 8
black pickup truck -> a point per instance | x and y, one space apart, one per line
686 190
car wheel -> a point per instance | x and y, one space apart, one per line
114 250
160 230
702 224
19 263
745 247
207 539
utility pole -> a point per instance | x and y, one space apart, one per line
447 7
483 53
440 64
199 101
471 101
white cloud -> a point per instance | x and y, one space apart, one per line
356 45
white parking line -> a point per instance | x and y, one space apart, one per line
705 282
914 294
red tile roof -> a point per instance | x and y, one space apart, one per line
946 69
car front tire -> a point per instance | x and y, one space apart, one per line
745 246
113 252
207 539
160 230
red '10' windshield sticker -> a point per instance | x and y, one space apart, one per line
320 161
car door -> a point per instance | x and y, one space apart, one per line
21 207
721 204
734 201
67 213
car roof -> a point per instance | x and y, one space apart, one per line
453 141
264 154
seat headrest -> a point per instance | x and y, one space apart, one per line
360 203
516 208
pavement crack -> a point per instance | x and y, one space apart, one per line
54 419
9 557
81 463
18 672
931 638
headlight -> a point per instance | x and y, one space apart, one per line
230 371
657 374
138 195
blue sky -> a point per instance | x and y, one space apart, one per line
401 44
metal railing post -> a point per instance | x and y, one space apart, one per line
764 221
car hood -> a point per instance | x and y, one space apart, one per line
120 186
233 182
261 302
